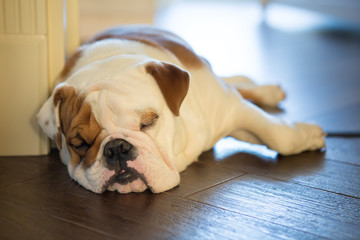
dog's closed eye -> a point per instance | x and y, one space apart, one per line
148 120
79 145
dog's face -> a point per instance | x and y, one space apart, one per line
115 128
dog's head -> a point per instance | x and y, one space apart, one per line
115 128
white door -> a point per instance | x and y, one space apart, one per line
32 53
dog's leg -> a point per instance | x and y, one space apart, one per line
266 95
256 126
239 80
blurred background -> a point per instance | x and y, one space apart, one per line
311 48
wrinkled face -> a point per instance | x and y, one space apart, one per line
118 135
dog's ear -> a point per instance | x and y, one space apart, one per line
173 83
49 114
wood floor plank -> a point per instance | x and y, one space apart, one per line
17 169
295 206
20 222
344 149
309 168
140 216
57 196
199 176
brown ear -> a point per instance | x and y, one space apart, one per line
173 83
69 105
63 93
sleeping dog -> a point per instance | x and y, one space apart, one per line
135 105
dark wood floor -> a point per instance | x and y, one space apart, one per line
236 190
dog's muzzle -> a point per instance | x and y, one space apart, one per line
117 153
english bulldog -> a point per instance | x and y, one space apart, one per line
135 106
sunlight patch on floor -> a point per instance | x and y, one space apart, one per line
229 146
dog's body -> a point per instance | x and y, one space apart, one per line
136 106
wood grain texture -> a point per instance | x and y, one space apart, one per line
200 175
18 169
140 216
296 206
19 222
344 149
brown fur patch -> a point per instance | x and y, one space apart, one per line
173 83
78 124
156 38
70 63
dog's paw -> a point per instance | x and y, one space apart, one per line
270 95
266 95
303 137
299 137
313 136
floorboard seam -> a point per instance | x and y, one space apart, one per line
29 179
59 218
346 163
82 226
328 191
217 184
40 211
304 185
249 216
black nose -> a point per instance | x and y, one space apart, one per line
118 151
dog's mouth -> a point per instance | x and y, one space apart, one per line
126 176
122 177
